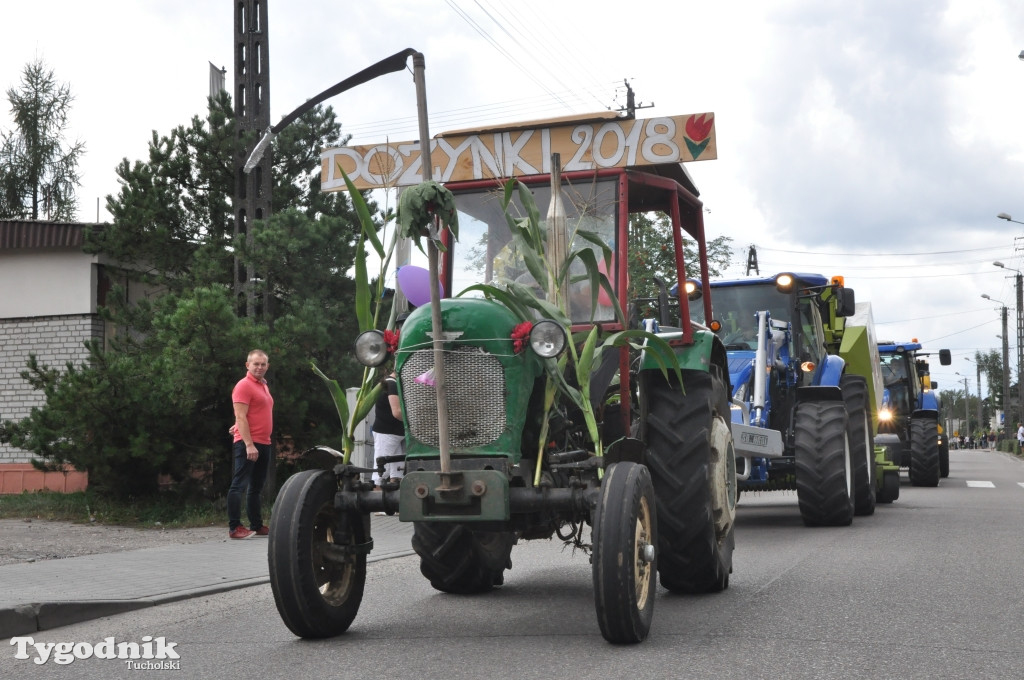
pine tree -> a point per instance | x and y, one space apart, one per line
157 399
38 169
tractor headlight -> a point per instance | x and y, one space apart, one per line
547 339
884 415
784 282
371 349
692 289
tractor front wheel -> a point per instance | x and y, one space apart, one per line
823 471
924 452
624 538
317 557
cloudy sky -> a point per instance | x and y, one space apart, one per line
869 138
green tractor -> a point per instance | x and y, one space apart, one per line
629 457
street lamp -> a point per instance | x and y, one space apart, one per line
967 404
1006 366
1020 324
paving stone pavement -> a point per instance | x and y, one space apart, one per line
47 594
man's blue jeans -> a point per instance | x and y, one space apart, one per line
248 477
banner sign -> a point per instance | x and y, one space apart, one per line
498 154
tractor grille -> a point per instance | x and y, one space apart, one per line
474 390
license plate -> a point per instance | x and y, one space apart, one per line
754 439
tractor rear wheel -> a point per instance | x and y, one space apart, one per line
944 458
317 557
824 479
693 467
624 537
458 560
862 444
924 452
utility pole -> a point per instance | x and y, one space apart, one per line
1006 377
1020 346
977 362
752 261
966 433
252 199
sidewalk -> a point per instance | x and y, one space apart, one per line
52 593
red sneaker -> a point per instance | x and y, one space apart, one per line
262 531
241 532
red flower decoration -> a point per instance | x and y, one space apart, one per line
699 127
520 334
391 340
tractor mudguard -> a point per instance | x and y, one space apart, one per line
696 357
928 401
832 370
931 413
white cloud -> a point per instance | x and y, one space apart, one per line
843 127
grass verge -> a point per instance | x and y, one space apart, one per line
166 510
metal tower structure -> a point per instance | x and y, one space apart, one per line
252 199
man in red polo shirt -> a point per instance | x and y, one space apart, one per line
254 421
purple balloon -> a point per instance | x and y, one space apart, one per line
415 284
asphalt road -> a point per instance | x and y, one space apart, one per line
931 586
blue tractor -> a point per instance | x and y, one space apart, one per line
908 422
798 420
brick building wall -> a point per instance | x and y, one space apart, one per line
55 340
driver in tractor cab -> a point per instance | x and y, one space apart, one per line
745 333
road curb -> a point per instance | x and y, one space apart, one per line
32 617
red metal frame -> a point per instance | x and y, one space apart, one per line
676 200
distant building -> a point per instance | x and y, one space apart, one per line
51 291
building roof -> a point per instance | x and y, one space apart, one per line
38 234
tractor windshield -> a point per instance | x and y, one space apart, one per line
487 253
897 380
735 306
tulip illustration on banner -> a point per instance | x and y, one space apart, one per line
415 284
698 133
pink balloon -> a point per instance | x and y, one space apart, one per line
415 284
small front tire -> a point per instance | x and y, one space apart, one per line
625 537
317 557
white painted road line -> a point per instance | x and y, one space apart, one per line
981 485
1020 483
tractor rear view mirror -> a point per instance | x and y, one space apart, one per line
847 304
944 358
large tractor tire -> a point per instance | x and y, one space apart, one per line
944 457
924 452
317 557
624 559
458 560
824 477
693 466
862 443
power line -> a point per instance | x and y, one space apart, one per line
934 316
844 254
913 265
501 50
